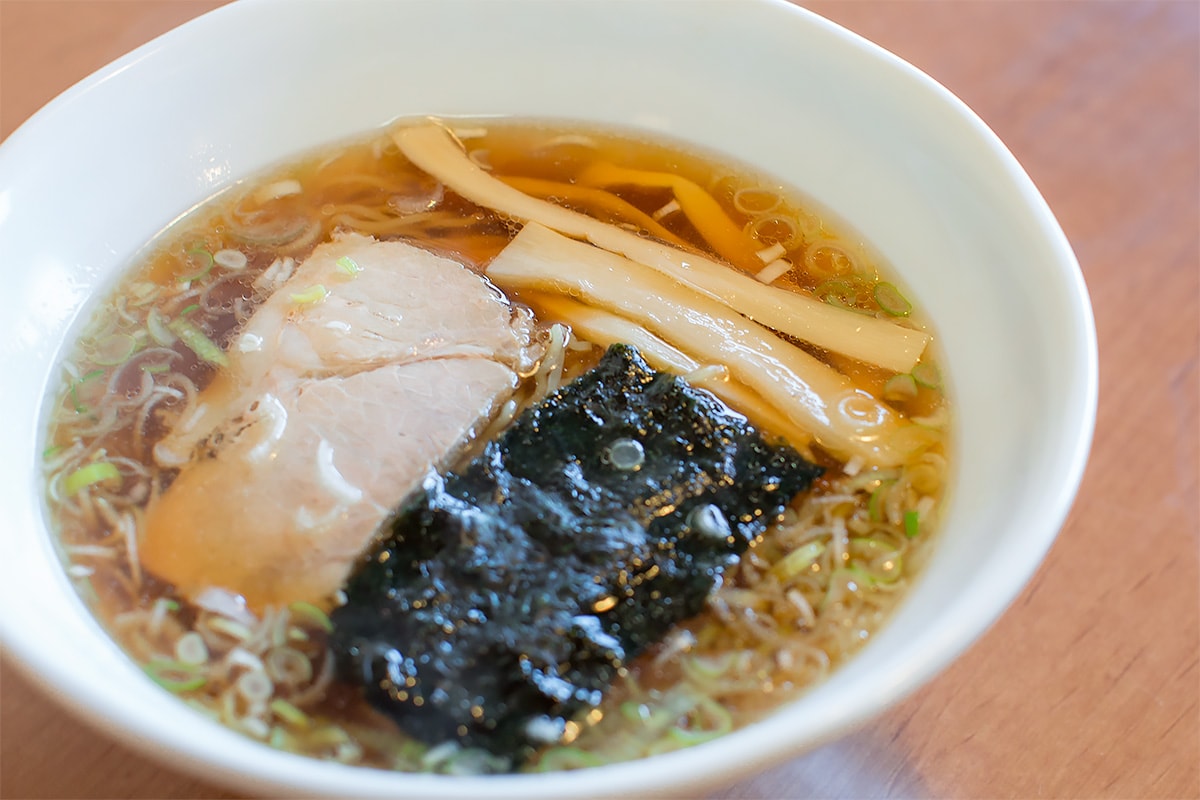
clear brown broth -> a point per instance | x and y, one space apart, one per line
763 638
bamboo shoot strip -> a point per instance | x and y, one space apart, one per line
875 341
603 328
705 213
594 198
844 420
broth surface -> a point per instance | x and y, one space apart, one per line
805 597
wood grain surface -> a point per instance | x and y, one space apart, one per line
1088 687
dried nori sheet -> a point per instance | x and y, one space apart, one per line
506 598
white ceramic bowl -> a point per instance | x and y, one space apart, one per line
97 172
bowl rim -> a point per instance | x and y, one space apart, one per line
752 753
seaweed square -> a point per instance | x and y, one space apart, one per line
505 598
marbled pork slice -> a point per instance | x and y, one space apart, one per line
328 414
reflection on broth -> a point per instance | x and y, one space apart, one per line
243 426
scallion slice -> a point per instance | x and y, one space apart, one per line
708 668
891 301
348 266
861 578
289 713
797 561
687 736
279 738
198 342
869 546
230 258
80 408
837 291
116 348
560 758
143 292
885 564
875 503
900 388
313 614
174 676
912 524
95 472
927 375
200 261
156 326
312 295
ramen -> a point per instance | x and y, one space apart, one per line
527 249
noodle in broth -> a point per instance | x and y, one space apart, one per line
799 602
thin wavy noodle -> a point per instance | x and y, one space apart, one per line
805 598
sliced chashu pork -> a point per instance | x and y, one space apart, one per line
328 414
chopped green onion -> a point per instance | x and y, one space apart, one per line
797 561
312 614
833 301
634 712
196 705
838 291
872 547
289 713
892 565
313 294
407 757
874 505
278 738
912 524
157 328
87 590
197 342
348 266
562 758
708 667
719 722
189 309
689 737
927 375
143 292
900 388
842 293
114 349
51 451
234 630
191 649
202 262
843 582
860 576
80 408
891 301
174 676
92 473
153 368
230 258
474 761
890 570
330 735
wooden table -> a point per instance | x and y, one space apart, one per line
1088 687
